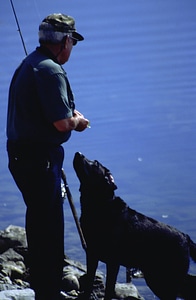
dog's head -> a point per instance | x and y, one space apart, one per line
93 175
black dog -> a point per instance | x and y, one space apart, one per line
118 235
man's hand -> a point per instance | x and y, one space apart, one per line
82 122
77 122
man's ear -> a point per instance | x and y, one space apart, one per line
64 42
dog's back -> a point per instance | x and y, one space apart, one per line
138 241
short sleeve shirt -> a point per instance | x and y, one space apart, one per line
39 95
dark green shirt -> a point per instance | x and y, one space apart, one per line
39 95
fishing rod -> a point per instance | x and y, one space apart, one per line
70 199
18 25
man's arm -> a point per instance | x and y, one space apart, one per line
77 122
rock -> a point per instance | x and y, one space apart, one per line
11 237
12 264
127 290
14 276
17 295
10 255
70 282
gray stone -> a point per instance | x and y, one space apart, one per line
70 282
127 290
11 237
14 275
25 294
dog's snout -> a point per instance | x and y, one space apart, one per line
78 155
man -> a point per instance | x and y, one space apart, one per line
41 116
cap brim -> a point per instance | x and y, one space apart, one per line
77 36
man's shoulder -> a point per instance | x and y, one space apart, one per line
44 64
49 66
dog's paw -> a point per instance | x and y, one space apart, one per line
84 296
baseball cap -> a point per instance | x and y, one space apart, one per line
55 26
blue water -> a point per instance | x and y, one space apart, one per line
134 77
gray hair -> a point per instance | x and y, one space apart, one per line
48 35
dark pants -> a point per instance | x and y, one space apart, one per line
36 170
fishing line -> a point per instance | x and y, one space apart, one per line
37 10
18 25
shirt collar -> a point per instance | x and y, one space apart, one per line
44 50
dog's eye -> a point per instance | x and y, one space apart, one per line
111 178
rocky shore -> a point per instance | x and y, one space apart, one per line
14 275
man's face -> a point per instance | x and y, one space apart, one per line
65 54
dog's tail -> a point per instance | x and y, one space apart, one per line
192 247
188 287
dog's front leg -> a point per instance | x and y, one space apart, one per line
91 263
112 269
